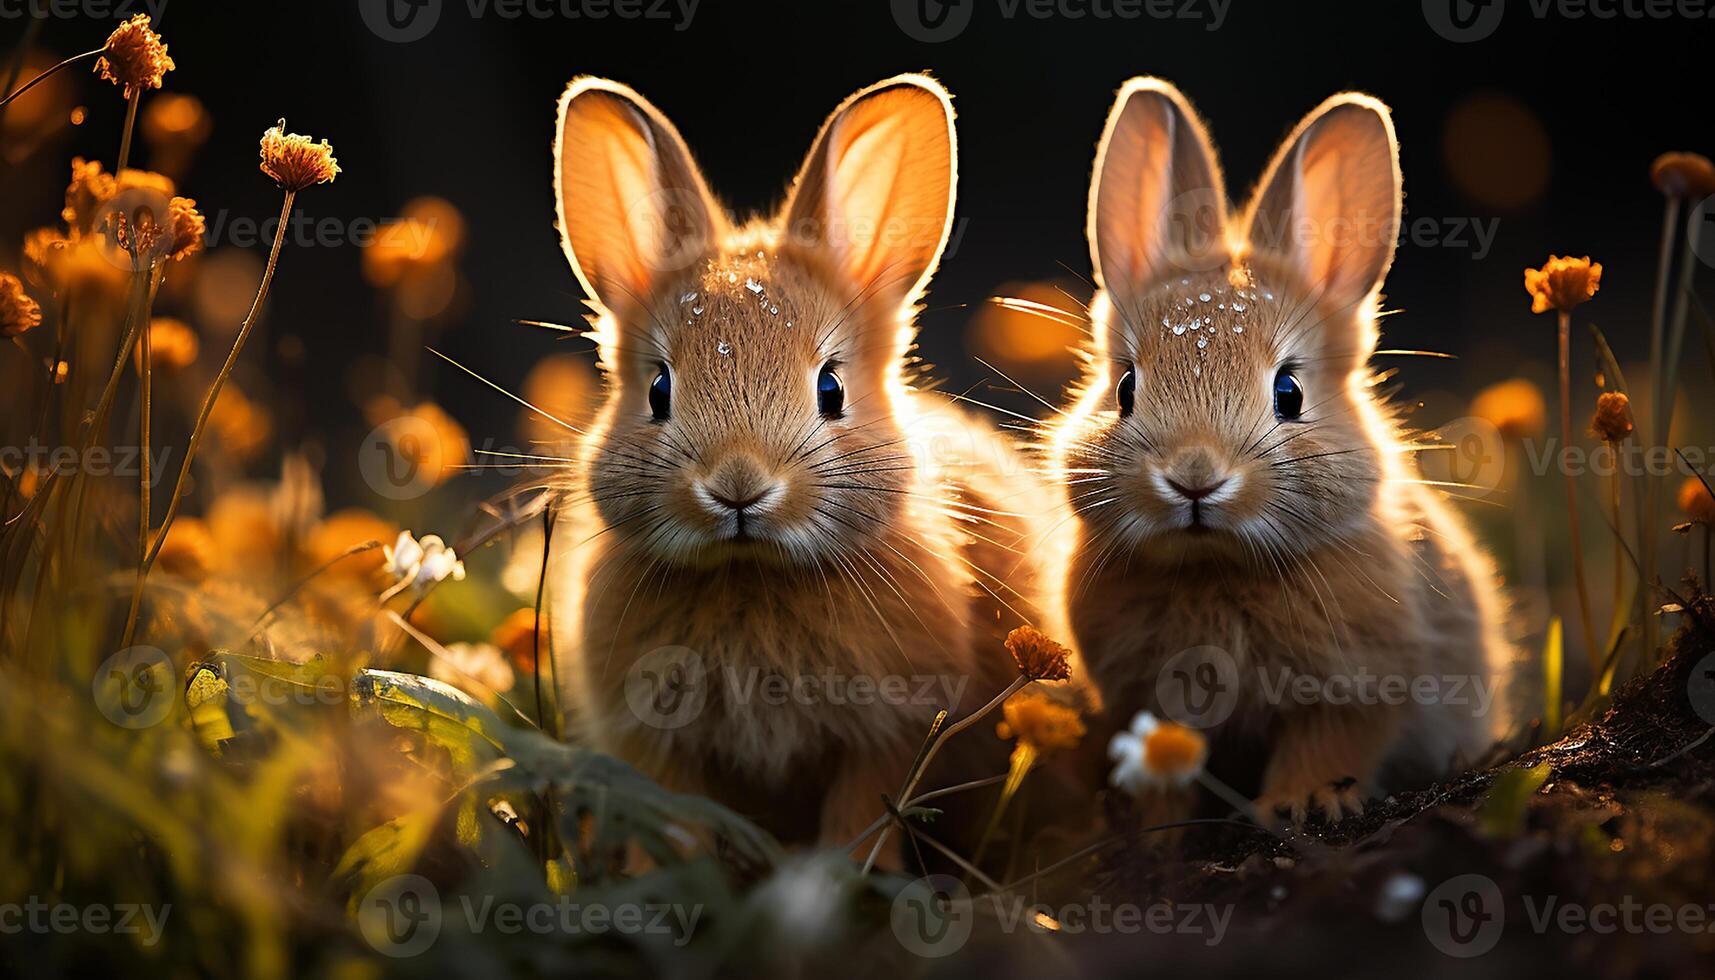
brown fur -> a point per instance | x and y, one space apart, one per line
1320 552
886 543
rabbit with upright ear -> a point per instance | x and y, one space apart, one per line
1253 546
777 559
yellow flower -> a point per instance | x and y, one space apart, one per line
1695 500
1040 723
1562 283
134 57
428 233
294 161
1687 176
516 635
1613 419
90 189
1514 407
1038 657
18 312
173 345
174 122
1154 753
44 258
188 551
242 426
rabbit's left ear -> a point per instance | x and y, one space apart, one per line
1329 204
875 195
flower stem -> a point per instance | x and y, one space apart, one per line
125 134
207 409
1576 539
923 763
1571 491
32 83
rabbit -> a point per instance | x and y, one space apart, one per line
1246 509
767 491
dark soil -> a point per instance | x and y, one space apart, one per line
1607 868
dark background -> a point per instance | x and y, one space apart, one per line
467 113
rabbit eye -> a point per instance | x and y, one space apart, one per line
661 395
1127 391
830 392
1288 395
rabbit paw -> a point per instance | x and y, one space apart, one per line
1329 803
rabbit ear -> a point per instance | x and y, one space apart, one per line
632 204
875 195
1329 205
1157 203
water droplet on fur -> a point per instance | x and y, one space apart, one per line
1184 282
1196 370
1267 295
1238 307
1220 306
1238 330
1202 342
724 349
695 311
772 311
1178 331
1205 297
753 286
687 298
732 277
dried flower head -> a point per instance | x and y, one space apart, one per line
1514 407
1040 723
1156 753
294 161
1038 657
18 312
1613 419
173 345
187 228
1562 283
134 57
90 189
1695 500
1686 176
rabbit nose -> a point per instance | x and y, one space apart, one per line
739 484
1197 492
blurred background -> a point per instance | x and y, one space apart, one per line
1533 136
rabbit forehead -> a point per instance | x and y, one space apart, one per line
1208 334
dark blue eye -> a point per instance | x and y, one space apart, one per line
661 395
1127 391
1288 396
830 393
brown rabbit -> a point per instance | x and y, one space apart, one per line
779 559
1254 548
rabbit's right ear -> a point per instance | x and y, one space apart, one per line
632 205
1157 203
